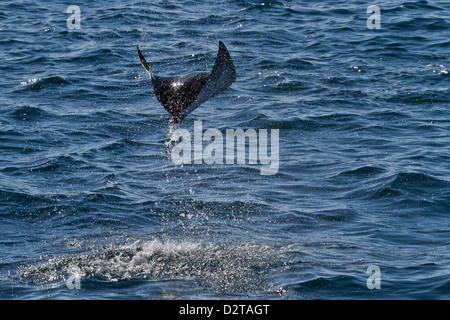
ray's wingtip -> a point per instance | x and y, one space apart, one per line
144 62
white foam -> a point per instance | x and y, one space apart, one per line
222 266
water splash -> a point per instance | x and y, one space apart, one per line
223 267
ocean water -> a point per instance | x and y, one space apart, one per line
87 181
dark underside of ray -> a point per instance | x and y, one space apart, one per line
181 95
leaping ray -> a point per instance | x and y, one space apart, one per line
182 95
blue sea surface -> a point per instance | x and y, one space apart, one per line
87 180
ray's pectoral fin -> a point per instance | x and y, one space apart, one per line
144 62
182 95
221 77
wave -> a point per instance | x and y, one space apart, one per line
28 202
265 6
298 64
329 286
29 113
418 182
414 97
365 171
412 189
311 123
36 84
421 23
419 5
